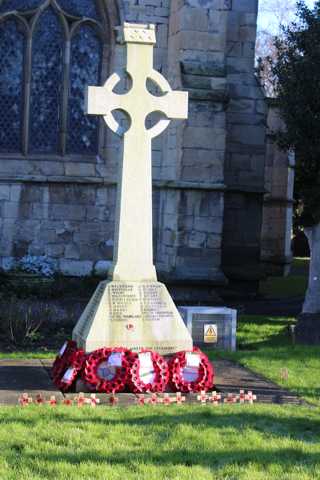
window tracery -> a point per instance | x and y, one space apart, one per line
50 50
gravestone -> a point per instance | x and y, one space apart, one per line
132 309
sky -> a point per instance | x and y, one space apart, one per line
266 20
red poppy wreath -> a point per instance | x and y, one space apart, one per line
107 369
72 369
149 372
61 360
191 371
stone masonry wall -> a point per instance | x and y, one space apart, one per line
208 171
191 214
278 202
244 166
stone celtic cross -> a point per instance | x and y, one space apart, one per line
133 254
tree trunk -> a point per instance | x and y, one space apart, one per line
312 298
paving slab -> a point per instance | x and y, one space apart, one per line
232 377
33 377
19 376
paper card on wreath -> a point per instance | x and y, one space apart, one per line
191 370
146 370
67 377
115 359
63 349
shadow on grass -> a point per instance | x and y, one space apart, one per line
288 458
267 422
186 454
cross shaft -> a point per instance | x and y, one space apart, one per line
133 254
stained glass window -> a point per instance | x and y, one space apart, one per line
85 70
46 84
11 79
42 96
8 5
82 8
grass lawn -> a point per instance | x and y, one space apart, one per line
169 443
265 346
294 285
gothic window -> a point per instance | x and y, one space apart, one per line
50 50
84 70
12 47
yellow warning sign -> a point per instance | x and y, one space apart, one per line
210 334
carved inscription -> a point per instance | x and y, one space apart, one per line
124 302
143 302
153 305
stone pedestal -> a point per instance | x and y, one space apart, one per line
134 315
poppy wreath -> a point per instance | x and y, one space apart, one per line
205 373
62 359
92 364
71 370
161 374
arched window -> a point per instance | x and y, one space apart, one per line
50 50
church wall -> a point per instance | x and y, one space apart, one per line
278 201
191 213
245 158
208 172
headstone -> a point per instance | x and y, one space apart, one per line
213 327
133 309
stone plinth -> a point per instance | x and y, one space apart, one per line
134 315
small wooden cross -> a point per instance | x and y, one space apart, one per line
39 399
141 400
250 397
203 397
113 400
93 400
52 402
153 400
81 399
231 398
242 397
25 400
179 398
166 400
215 398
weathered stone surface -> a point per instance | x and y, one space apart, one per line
102 268
205 47
75 268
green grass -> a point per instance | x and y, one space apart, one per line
278 287
21 354
294 285
160 443
265 346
